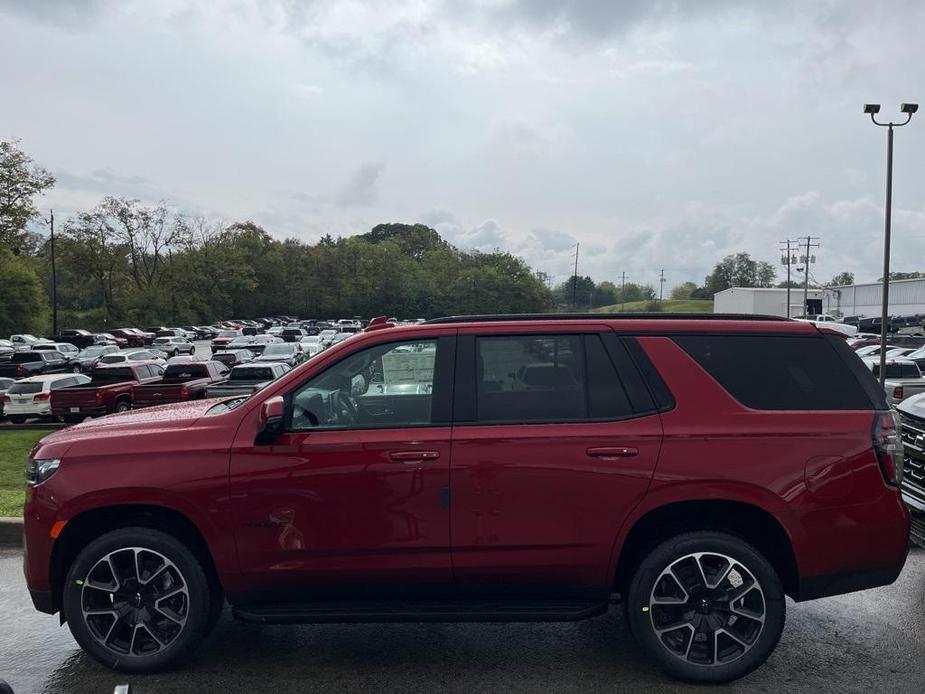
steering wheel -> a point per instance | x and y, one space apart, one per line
347 413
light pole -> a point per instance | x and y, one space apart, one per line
872 110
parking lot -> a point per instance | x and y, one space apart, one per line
861 642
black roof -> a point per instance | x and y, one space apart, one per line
497 317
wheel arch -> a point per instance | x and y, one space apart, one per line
751 523
90 524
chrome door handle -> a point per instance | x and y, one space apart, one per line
413 456
613 452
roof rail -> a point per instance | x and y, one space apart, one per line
637 315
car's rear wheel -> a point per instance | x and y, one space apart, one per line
192 350
137 599
75 369
707 606
123 406
18 420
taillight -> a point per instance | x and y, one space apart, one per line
888 445
99 397
7 399
20 371
42 396
898 393
184 392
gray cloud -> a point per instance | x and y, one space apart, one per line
363 187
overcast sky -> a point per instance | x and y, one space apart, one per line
655 134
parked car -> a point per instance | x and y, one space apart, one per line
223 338
6 350
642 457
24 342
311 345
130 356
89 357
233 357
871 350
246 379
912 418
903 378
289 353
174 345
132 337
65 349
5 383
75 336
180 382
31 397
111 339
108 390
23 364
832 323
260 343
327 337
292 334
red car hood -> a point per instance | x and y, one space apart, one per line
171 416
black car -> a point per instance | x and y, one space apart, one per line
89 357
78 338
289 353
233 357
24 364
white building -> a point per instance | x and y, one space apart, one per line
769 302
907 298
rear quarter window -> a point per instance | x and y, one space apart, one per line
779 372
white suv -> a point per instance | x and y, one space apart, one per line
31 397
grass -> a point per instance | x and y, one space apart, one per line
14 448
668 306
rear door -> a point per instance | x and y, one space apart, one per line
555 440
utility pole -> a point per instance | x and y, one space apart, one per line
54 276
575 280
787 260
808 242
661 284
622 291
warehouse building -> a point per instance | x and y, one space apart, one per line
907 298
769 302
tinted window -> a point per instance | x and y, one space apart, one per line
24 357
607 397
252 374
777 372
185 372
112 359
898 371
384 386
24 388
530 378
102 377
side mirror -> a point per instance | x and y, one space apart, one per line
270 423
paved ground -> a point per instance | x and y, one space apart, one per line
865 642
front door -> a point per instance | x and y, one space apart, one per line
356 489
555 442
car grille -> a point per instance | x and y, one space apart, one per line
913 436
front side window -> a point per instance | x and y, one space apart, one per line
385 386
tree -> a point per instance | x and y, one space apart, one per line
683 291
903 276
793 284
24 305
739 270
841 279
21 181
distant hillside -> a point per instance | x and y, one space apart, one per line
668 306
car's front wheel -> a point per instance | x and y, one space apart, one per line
136 599
707 606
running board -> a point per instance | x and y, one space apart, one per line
339 613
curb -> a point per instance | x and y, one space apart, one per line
11 531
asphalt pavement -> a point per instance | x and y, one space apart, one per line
872 641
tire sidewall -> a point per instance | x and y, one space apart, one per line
661 557
170 547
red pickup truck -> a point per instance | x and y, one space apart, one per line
181 382
109 390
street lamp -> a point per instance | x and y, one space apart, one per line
872 110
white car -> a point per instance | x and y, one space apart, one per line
174 345
831 322
327 337
24 342
311 345
31 397
133 355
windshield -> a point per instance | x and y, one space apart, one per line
229 333
93 351
279 350
251 374
112 359
162 341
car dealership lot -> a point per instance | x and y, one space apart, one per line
860 642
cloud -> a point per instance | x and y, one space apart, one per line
363 187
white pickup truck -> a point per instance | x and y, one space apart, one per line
903 378
826 321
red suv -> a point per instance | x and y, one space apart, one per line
494 468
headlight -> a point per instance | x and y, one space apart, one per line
37 471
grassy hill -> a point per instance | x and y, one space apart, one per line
668 306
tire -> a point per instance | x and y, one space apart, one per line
176 353
192 350
76 370
122 406
708 618
18 420
175 601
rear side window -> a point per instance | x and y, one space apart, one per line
904 370
778 372
544 378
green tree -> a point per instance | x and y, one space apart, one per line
841 279
21 181
683 291
739 270
24 305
